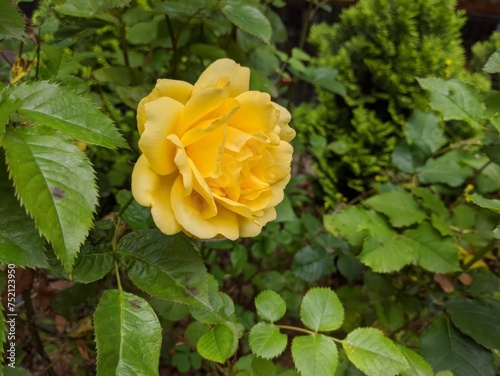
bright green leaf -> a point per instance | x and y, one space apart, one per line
400 206
432 201
218 344
447 169
270 305
128 335
456 100
486 203
11 21
312 263
315 355
445 348
267 341
373 353
57 107
347 223
418 366
388 253
477 318
7 108
321 310
435 253
422 130
168 267
93 263
221 308
493 63
45 162
249 19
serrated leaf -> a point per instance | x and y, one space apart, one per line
270 305
11 21
445 348
7 108
93 263
315 355
347 223
373 353
267 341
312 263
128 335
321 310
55 183
422 130
456 100
477 319
137 217
486 203
432 201
448 169
218 344
20 243
249 19
435 253
89 8
493 63
221 307
418 366
58 107
400 206
168 267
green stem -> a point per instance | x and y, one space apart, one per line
125 207
123 42
175 51
307 331
478 256
117 274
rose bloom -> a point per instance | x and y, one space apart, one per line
215 156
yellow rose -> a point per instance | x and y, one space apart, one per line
216 156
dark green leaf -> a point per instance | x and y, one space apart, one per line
11 21
89 8
267 341
315 355
128 335
408 158
326 78
137 217
55 183
249 19
168 267
422 130
478 319
445 348
312 263
58 107
93 263
418 366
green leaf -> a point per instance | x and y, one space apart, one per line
432 201
55 183
418 366
347 223
168 267
249 19
11 21
448 169
315 355
221 308
400 206
88 8
444 373
373 353
270 306
486 203
321 310
456 100
20 243
312 263
422 130
7 108
445 348
58 107
493 63
93 263
137 217
326 78
267 341
390 315
218 344
478 319
18 371
435 253
128 335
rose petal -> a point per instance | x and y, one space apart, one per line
282 128
238 77
251 228
256 113
206 153
162 117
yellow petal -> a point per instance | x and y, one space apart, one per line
234 206
144 182
251 228
282 158
162 117
256 113
238 77
188 214
175 89
206 153
282 128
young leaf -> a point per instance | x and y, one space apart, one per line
93 263
400 206
249 19
270 305
55 183
128 335
168 267
478 319
315 355
445 348
321 310
267 341
11 21
456 100
435 253
218 344
418 366
373 353
447 169
57 107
